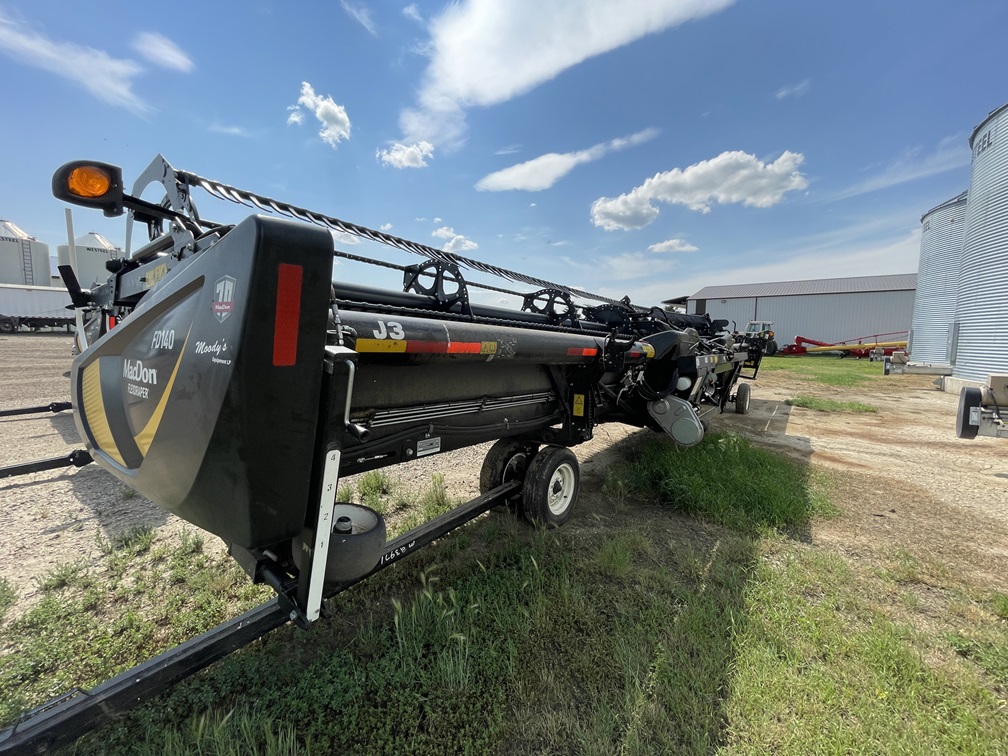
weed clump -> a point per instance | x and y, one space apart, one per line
724 478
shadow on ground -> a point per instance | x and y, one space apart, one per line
616 632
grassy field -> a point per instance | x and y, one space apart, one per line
683 610
825 369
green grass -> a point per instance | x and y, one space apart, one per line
700 618
820 662
999 604
7 597
826 370
373 489
93 621
830 405
239 731
724 478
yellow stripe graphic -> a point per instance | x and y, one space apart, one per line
94 412
381 345
146 436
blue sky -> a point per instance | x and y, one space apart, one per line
640 147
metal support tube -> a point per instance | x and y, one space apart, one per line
51 407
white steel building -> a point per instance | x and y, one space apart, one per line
829 309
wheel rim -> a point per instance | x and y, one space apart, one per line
561 489
514 469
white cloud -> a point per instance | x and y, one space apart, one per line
544 171
362 15
107 78
219 128
631 265
510 149
342 237
485 53
411 12
386 227
406 156
436 220
856 245
950 153
627 266
729 178
673 245
161 51
454 242
333 117
794 90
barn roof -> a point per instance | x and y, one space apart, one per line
901 282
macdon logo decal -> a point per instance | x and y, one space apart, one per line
134 370
223 301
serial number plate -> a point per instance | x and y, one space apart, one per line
428 446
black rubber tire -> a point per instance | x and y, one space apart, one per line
742 395
351 555
551 486
771 348
507 460
6 325
969 397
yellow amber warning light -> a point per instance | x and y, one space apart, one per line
89 181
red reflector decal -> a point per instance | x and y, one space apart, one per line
579 352
464 347
288 314
111 322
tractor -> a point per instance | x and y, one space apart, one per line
762 330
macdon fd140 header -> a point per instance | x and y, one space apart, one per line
223 374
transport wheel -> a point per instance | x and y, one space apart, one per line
6 325
551 486
355 546
507 460
969 398
742 394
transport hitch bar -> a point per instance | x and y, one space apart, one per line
76 458
51 407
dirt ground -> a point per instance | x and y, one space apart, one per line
905 480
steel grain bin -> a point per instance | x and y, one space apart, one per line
24 260
934 310
93 251
981 338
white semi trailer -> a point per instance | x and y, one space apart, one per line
34 307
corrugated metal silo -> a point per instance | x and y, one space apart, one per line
24 260
934 310
93 251
981 344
